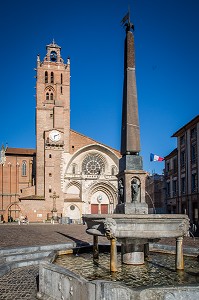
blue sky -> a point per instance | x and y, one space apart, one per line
167 64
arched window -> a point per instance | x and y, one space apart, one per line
61 89
61 78
23 168
47 96
52 77
113 170
51 96
74 168
46 77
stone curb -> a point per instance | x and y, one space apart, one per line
6 267
169 248
23 252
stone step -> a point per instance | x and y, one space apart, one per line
21 250
26 256
11 258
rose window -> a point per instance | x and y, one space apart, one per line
93 164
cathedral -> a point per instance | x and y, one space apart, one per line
69 174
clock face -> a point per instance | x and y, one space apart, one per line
53 56
55 135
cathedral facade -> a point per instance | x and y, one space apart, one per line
69 174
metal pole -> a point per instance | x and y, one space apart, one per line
95 247
179 254
113 256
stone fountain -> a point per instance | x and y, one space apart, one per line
131 225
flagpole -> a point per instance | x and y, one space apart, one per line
129 20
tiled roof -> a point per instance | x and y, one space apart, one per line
20 151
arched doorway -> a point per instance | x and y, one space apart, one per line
102 197
72 211
13 212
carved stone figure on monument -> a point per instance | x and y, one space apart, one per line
135 188
121 191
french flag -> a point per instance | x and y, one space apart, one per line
154 157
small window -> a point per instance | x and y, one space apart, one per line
24 166
46 77
50 174
50 156
168 189
51 115
61 89
50 190
47 96
193 153
182 140
73 147
193 183
61 78
113 170
193 132
51 96
174 187
182 158
175 165
183 187
52 77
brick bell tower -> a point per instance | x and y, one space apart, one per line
52 125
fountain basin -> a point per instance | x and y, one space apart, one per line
61 283
134 231
137 226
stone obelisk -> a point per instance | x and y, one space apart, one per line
131 177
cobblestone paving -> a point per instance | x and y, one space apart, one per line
19 284
13 235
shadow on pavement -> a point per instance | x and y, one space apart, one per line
77 241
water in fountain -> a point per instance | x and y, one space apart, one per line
158 270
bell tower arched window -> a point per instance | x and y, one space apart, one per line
47 96
52 77
61 78
23 168
46 77
51 96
